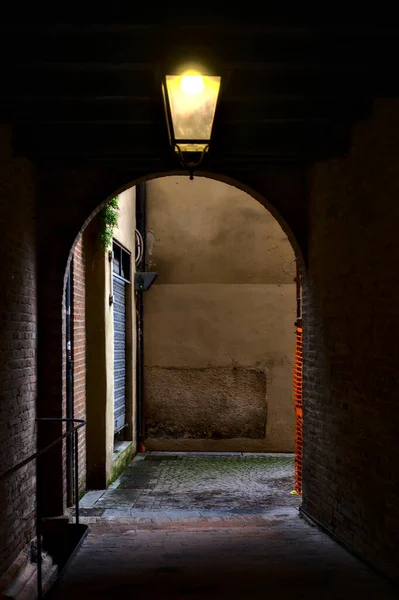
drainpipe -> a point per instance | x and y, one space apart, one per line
141 201
69 387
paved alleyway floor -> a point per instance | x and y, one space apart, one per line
205 526
197 484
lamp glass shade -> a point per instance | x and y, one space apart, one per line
192 100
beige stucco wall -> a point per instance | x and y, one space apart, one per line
124 234
219 321
100 345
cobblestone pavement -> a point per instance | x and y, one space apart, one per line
160 482
246 557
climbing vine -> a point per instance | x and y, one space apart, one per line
109 221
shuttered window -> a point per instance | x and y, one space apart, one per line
121 279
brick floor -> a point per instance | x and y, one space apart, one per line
191 526
231 557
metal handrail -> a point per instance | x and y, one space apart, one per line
26 461
36 456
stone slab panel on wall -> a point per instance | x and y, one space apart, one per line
215 403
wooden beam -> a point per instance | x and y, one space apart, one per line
45 112
313 64
239 26
98 84
236 46
134 140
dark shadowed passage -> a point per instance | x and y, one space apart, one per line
208 525
232 557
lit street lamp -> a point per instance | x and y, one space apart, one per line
190 105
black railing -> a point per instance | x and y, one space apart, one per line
38 517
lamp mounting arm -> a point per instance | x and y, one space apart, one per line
190 166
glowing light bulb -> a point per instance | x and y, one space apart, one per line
192 84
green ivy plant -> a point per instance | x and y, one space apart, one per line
109 221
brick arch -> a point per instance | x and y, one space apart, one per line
297 241
69 199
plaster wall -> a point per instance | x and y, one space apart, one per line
100 346
219 321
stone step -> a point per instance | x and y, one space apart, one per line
23 584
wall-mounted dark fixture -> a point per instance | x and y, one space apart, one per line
190 99
143 281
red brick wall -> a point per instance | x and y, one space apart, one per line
351 321
17 350
79 351
351 326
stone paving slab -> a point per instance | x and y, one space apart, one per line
114 518
118 498
89 499
88 516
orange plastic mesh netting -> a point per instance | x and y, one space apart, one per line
298 365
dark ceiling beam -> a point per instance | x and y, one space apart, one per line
144 130
238 162
312 64
133 110
80 83
148 107
274 98
45 111
243 28
158 163
136 139
318 106
114 83
53 112
368 82
259 56
37 99
281 134
79 66
163 46
246 121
